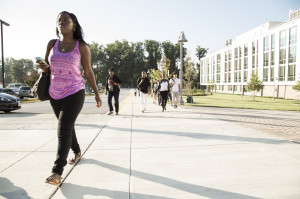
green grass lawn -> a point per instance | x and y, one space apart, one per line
247 102
25 100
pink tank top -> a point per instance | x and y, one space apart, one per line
66 76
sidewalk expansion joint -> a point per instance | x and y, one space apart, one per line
26 151
208 145
119 149
130 151
58 187
31 152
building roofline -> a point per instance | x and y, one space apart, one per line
269 25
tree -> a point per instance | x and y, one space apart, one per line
139 62
172 52
97 58
297 86
17 71
189 75
31 78
211 86
153 53
8 65
255 84
30 73
200 52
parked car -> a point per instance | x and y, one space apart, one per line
9 103
15 90
25 91
87 91
15 85
7 91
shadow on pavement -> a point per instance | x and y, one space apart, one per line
73 191
11 191
202 135
19 114
171 117
100 126
183 186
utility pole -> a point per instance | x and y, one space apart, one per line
5 23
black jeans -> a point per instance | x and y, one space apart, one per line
114 94
164 98
66 111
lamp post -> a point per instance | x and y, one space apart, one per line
5 23
181 40
162 61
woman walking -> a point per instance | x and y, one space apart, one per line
67 90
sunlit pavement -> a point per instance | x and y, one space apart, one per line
180 153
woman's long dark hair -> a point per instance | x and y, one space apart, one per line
78 33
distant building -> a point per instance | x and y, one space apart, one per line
269 49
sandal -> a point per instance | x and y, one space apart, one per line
75 159
54 179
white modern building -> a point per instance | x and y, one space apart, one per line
269 49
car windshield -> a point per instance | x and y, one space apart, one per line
25 88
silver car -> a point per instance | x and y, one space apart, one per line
25 91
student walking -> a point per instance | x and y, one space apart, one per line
163 88
175 88
143 83
113 89
64 57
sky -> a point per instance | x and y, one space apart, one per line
207 23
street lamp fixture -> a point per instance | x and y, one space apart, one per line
5 23
162 61
181 40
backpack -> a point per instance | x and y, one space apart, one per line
173 84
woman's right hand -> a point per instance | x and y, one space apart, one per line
98 100
43 66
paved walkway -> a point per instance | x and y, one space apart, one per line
284 124
182 153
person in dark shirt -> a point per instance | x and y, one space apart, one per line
143 84
113 89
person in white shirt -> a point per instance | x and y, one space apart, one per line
175 85
163 88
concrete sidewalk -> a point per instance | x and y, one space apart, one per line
180 153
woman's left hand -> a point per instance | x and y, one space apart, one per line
98 101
